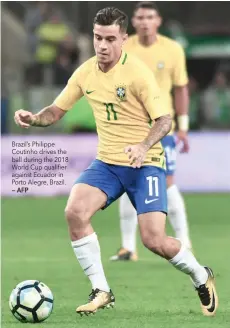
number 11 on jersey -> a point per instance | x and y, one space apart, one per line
110 110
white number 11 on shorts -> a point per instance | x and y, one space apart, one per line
154 180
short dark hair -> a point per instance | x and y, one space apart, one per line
110 16
147 5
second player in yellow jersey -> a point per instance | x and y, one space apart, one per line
166 59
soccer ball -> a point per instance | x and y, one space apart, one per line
31 301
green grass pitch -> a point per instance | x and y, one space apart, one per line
149 293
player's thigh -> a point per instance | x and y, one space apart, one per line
152 227
103 185
169 145
85 200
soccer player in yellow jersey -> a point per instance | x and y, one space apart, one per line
166 59
124 96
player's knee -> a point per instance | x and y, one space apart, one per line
77 212
154 244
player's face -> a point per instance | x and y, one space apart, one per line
146 21
108 41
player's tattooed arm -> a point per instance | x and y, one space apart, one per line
161 127
47 116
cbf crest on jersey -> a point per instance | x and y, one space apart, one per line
121 92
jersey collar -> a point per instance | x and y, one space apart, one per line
121 61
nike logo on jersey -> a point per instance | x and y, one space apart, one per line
89 92
150 200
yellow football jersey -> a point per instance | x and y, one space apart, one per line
123 101
166 59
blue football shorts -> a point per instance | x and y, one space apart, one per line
169 145
146 186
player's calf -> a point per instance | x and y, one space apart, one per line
164 246
154 244
152 230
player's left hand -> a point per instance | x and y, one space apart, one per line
136 154
182 137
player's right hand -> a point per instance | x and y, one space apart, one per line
23 118
136 154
